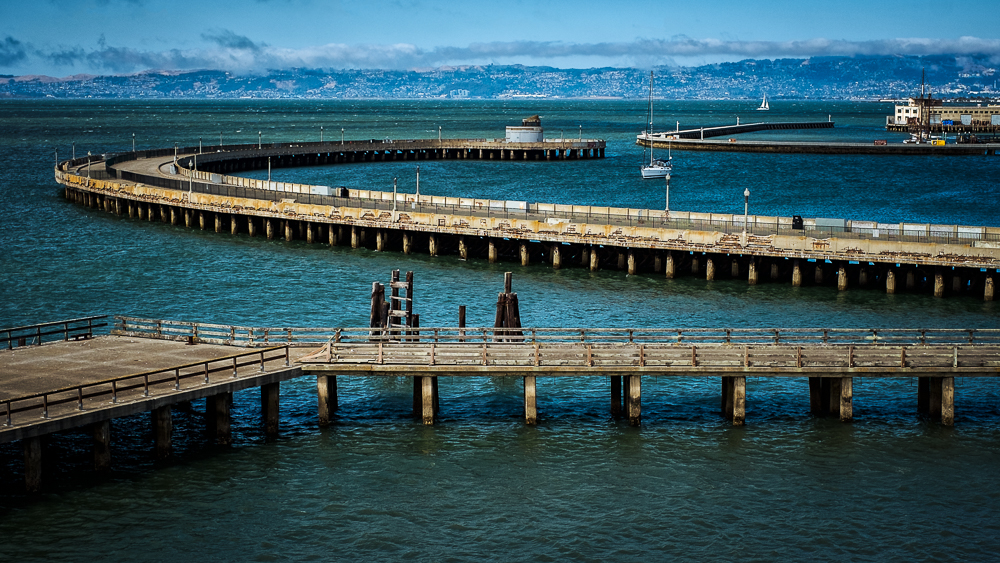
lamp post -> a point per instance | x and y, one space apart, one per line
746 208
133 142
199 145
439 133
342 135
268 172
321 134
418 183
194 167
88 168
175 153
581 132
74 150
258 140
667 179
393 200
220 139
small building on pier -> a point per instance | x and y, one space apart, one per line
530 131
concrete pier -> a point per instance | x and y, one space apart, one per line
326 393
163 429
530 400
734 393
269 402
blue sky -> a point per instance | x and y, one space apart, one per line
65 37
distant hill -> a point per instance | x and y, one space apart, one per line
814 78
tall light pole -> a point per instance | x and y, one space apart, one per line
220 139
258 140
88 167
342 135
269 171
175 154
418 183
133 142
191 176
199 145
667 178
746 209
439 133
393 200
74 150
581 132
321 134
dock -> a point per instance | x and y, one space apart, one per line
80 379
196 191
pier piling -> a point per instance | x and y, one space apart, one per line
102 446
530 400
33 464
162 431
269 402
326 392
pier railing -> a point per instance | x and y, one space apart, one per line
35 335
142 385
246 336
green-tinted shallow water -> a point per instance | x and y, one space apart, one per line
480 485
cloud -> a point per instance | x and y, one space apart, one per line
228 40
233 52
11 52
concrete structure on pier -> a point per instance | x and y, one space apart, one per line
936 259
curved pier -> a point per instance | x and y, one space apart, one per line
664 140
148 185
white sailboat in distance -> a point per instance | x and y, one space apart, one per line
763 104
657 168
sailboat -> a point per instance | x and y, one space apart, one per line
657 168
763 104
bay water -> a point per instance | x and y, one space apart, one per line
480 485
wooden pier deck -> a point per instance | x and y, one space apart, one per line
147 186
151 365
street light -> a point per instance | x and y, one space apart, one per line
746 208
439 133
199 145
175 154
393 200
269 171
667 178
258 140
74 150
581 132
418 182
88 168
133 142
342 135
220 139
321 134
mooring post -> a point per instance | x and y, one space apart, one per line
530 398
326 392
33 464
269 402
102 446
162 431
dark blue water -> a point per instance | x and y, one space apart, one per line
480 485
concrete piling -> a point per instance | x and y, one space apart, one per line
326 393
310 232
621 260
938 283
775 272
251 227
670 269
595 260
463 248
842 278
530 400
525 256
355 237
752 272
269 402
269 229
694 266
734 270
407 242
988 289
796 274
162 431
289 232
102 446
890 281
380 235
862 277
657 264
710 269
432 244
33 464
201 220
492 252
632 269
556 257
818 277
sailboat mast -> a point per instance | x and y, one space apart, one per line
649 126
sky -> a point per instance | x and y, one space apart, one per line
68 37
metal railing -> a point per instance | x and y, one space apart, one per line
60 330
235 335
146 381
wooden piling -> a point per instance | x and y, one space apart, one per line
492 252
616 396
670 270
530 400
739 396
752 272
556 256
162 431
632 268
355 237
218 422
326 393
842 278
846 399
427 399
33 464
947 401
525 256
269 402
102 446
938 283
710 269
634 400
890 281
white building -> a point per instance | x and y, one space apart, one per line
530 131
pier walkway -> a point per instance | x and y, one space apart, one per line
152 365
149 186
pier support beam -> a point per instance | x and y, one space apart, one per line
492 251
530 400
796 274
269 229
525 255
463 248
862 277
695 266
752 272
942 399
775 272
842 278
380 235
331 234
234 227
595 259
621 260
632 268
989 289
734 397
326 393
355 237
407 242
818 277
938 283
734 270
616 396
890 281
310 232
218 424
269 401
424 398
162 431
102 446
289 233
432 245
33 464
911 280
556 256
832 396
670 269
201 220
710 269
634 393
657 264
251 227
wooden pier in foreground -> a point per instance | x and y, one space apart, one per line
149 365
196 192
